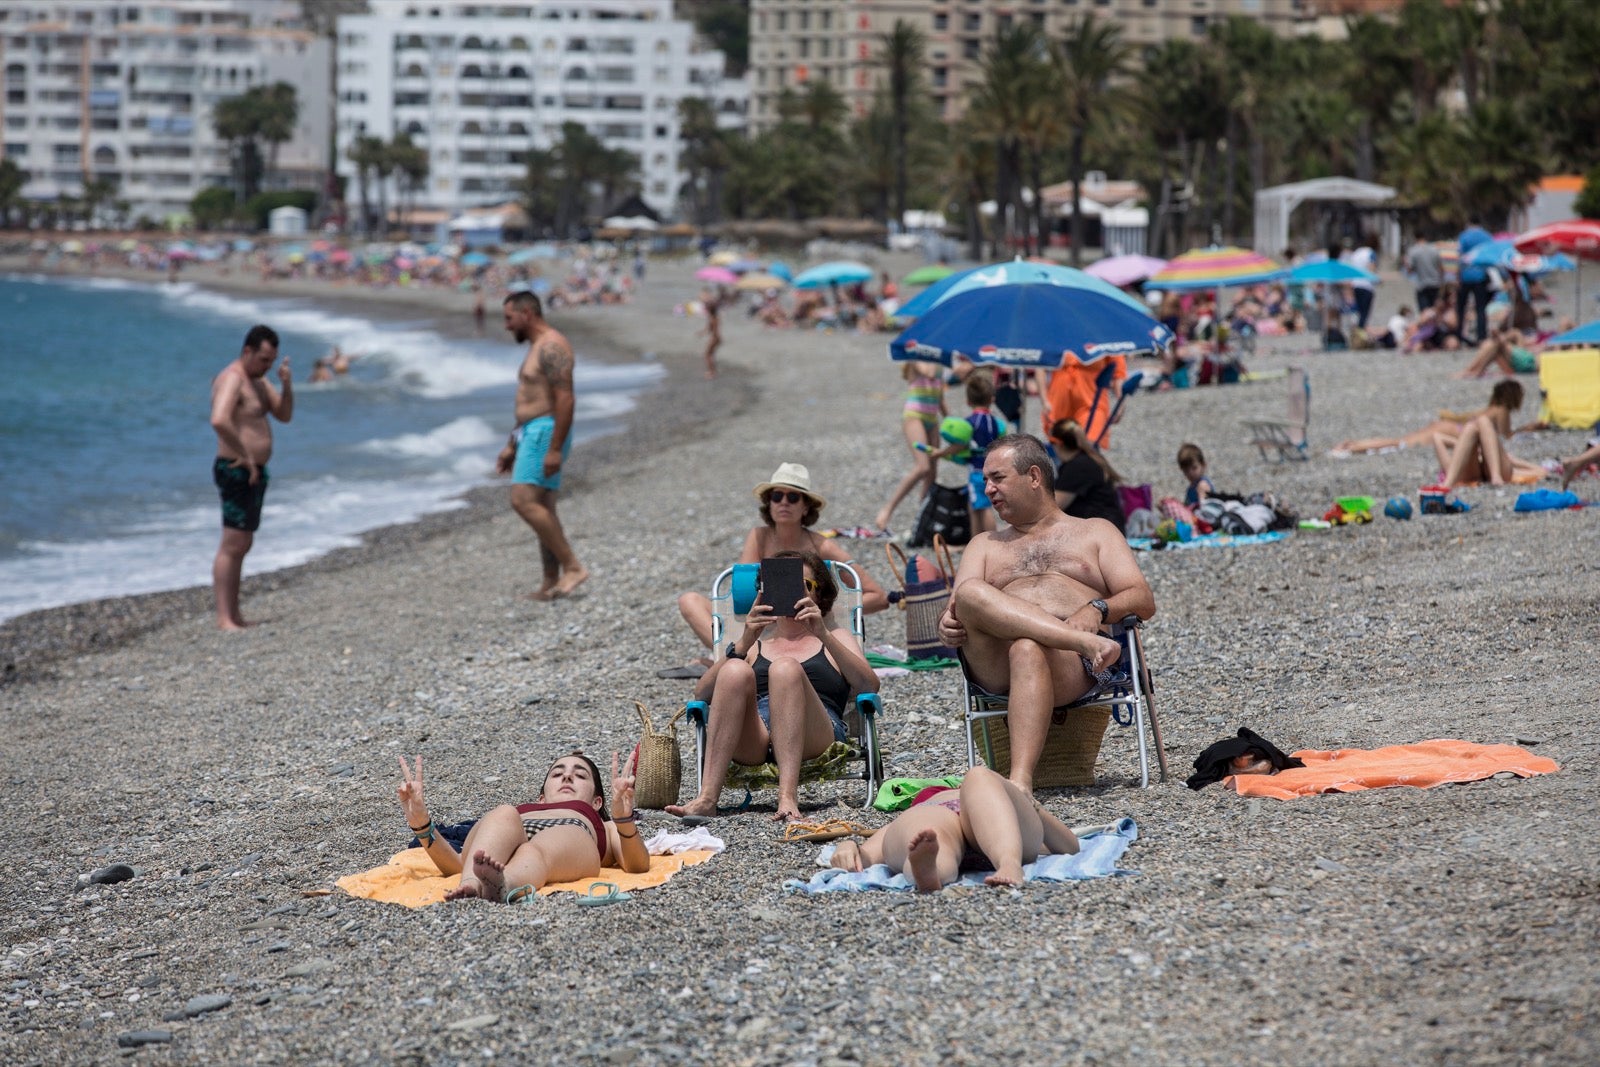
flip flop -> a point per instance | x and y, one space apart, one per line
519 894
831 830
694 820
604 894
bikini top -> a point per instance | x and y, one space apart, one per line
831 686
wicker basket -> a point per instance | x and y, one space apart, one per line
1070 748
659 774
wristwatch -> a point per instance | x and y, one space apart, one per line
732 651
1102 607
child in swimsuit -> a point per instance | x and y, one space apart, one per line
919 422
986 823
515 850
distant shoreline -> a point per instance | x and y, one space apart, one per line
31 642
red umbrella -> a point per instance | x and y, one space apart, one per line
1577 237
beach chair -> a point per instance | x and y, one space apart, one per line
1288 438
1076 729
857 758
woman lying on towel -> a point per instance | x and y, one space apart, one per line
781 691
515 850
987 822
1505 398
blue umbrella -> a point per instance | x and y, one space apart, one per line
1030 326
522 255
840 272
1329 272
919 304
1020 273
1492 254
474 259
779 269
1587 334
744 266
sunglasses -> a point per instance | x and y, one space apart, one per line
779 496
811 585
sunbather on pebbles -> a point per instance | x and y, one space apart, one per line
986 823
1505 398
518 849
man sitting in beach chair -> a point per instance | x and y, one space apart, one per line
1029 601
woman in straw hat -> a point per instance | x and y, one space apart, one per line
789 507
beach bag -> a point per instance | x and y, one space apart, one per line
658 772
925 587
944 514
1134 497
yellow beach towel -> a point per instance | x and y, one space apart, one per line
411 879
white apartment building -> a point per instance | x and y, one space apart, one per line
125 89
478 84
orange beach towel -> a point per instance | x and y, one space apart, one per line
411 879
1423 765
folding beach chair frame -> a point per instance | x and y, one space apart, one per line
1289 438
866 706
1130 694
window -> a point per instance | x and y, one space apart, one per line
969 48
941 22
1197 25
941 77
972 22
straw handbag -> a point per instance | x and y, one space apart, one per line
1071 747
923 598
659 773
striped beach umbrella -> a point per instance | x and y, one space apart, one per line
1216 268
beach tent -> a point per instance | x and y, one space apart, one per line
286 221
1275 206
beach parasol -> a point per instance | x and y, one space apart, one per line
127 244
933 272
72 247
757 281
1216 268
474 259
781 270
723 258
1328 272
716 275
1030 326
1125 269
1032 272
745 266
1575 237
521 256
839 272
339 255
1587 334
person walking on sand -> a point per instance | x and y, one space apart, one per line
713 330
241 400
541 440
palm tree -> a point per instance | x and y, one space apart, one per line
278 111
365 152
1089 59
1015 73
705 156
902 54
411 163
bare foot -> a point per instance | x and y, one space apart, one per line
697 808
1023 783
881 520
922 862
490 874
466 890
1569 471
569 581
1101 651
787 809
233 624
1009 875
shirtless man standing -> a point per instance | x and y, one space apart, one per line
241 400
541 441
1029 601
712 300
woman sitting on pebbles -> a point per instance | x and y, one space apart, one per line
780 693
516 850
789 507
987 822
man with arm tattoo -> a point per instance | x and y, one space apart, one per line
541 440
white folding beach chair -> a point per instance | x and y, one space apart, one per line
1289 438
857 758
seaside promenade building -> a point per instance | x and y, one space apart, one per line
477 84
794 41
124 90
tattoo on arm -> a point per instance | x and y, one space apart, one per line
555 363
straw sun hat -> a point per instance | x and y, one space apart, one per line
792 476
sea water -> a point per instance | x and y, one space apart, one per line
106 444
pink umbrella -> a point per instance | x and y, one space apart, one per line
1125 270
339 255
716 275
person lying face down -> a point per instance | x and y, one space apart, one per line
987 822
515 850
1246 753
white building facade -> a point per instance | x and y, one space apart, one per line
124 89
479 84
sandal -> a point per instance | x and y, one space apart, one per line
602 894
831 830
519 894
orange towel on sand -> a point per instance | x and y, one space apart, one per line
411 879
1423 765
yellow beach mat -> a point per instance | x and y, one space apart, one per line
411 879
1571 384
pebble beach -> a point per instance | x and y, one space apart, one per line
241 774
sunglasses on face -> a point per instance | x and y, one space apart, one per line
779 496
811 585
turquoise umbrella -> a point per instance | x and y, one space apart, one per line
840 272
1019 273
